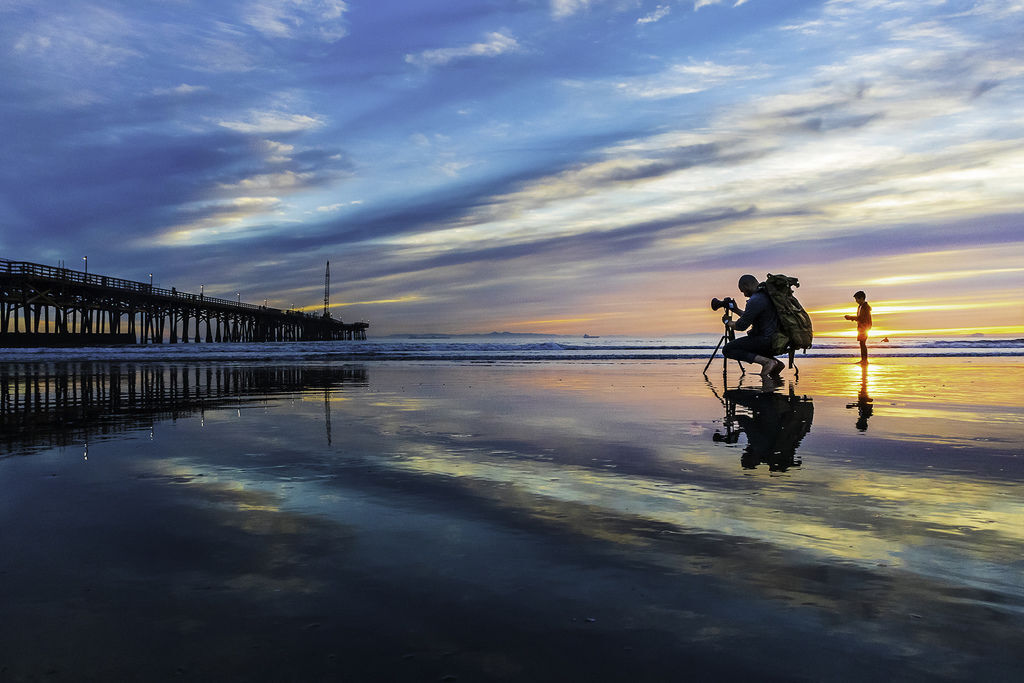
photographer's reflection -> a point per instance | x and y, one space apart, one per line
864 405
774 424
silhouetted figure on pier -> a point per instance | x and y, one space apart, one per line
763 321
863 320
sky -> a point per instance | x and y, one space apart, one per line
554 166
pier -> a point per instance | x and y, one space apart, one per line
49 306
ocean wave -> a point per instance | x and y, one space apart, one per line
488 350
975 344
239 356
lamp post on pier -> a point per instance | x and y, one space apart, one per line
86 259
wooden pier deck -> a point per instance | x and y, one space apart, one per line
47 306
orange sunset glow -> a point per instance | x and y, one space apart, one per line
891 319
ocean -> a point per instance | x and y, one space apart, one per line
502 347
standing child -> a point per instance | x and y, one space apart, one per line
863 319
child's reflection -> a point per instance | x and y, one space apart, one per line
864 405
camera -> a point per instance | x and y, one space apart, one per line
727 303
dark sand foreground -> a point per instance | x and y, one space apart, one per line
530 522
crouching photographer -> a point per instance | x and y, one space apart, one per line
763 321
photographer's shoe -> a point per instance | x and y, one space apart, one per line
776 372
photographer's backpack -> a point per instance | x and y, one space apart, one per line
794 324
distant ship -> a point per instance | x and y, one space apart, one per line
587 336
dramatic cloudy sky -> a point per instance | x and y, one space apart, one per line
568 166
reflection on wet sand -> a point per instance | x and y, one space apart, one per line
865 404
774 425
42 406
533 523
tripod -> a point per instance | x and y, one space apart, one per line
728 336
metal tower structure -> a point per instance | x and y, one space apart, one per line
327 291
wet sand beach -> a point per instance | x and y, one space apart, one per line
511 521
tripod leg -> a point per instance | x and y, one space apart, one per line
720 342
725 368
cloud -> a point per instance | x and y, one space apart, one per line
560 9
277 152
587 249
270 183
271 122
299 19
660 12
689 78
810 27
863 142
943 276
496 44
452 169
984 86
331 208
564 8
223 51
154 173
707 3
817 197
149 174
75 41
182 90
218 222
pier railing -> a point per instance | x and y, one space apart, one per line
92 304
39 270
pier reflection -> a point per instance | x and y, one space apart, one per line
774 425
53 405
